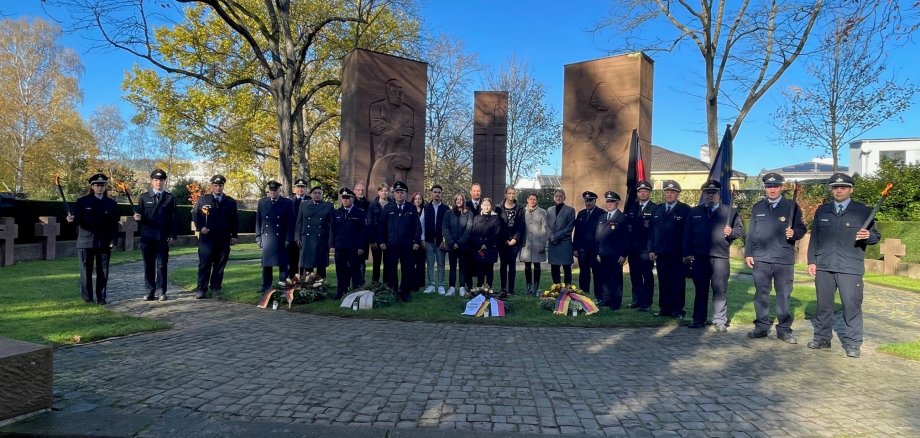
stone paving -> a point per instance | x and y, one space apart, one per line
232 362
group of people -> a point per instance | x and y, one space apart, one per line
448 247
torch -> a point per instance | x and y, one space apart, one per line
124 188
205 210
795 193
57 182
878 205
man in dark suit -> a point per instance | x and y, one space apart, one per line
96 217
361 201
216 217
312 231
157 215
836 257
612 248
769 250
666 250
349 226
511 240
584 242
274 233
433 231
709 232
374 221
473 204
400 234
639 226
293 251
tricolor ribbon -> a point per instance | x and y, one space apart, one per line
566 298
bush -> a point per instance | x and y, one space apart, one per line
908 232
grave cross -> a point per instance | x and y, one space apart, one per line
892 250
128 225
48 229
8 233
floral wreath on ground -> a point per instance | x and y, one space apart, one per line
490 294
383 295
565 299
298 290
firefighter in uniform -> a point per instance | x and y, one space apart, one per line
293 251
399 234
584 243
349 226
312 231
612 248
769 250
274 233
836 256
639 225
666 250
157 215
96 217
216 217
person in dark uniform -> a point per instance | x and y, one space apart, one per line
216 217
512 238
769 249
312 232
400 235
666 250
363 203
274 233
293 251
349 227
96 217
710 230
374 216
584 242
836 256
159 220
639 226
611 233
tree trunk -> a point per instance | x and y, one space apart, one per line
285 130
20 170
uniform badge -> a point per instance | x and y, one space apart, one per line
613 227
782 218
848 224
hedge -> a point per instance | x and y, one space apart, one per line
908 232
27 212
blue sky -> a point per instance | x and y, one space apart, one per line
547 35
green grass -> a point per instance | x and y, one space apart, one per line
909 350
905 283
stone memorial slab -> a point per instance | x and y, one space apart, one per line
48 229
490 142
605 99
26 372
892 250
8 233
383 121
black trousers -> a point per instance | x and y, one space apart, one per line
293 253
588 266
378 255
532 276
672 286
851 297
710 273
507 267
485 273
418 268
91 258
268 276
156 258
348 270
212 259
400 255
643 282
456 261
611 275
768 276
470 270
554 272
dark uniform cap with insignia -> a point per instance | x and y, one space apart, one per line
612 196
400 186
98 178
218 179
773 179
345 192
643 184
841 180
670 185
315 188
300 182
158 174
589 196
273 185
711 186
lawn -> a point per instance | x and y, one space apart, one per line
909 350
904 283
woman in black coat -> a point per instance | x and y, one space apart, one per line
484 237
418 256
457 224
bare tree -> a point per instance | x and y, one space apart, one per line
449 114
746 45
850 92
39 88
533 127
107 126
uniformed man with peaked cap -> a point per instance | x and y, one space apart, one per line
836 257
96 217
293 255
274 233
584 244
769 250
666 250
400 234
612 248
216 217
314 220
349 227
639 226
159 220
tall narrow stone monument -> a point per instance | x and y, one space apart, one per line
605 99
383 121
490 142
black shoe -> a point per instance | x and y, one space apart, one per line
754 334
852 351
149 297
787 338
644 309
677 316
200 295
163 297
818 343
101 302
215 293
632 306
697 324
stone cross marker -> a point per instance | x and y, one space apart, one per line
128 225
8 233
490 142
48 229
892 250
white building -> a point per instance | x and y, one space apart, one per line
816 169
865 155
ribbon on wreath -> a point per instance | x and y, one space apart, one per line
566 298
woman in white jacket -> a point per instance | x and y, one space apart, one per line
533 252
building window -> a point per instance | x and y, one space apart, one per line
897 156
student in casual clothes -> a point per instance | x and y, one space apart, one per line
458 222
484 238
